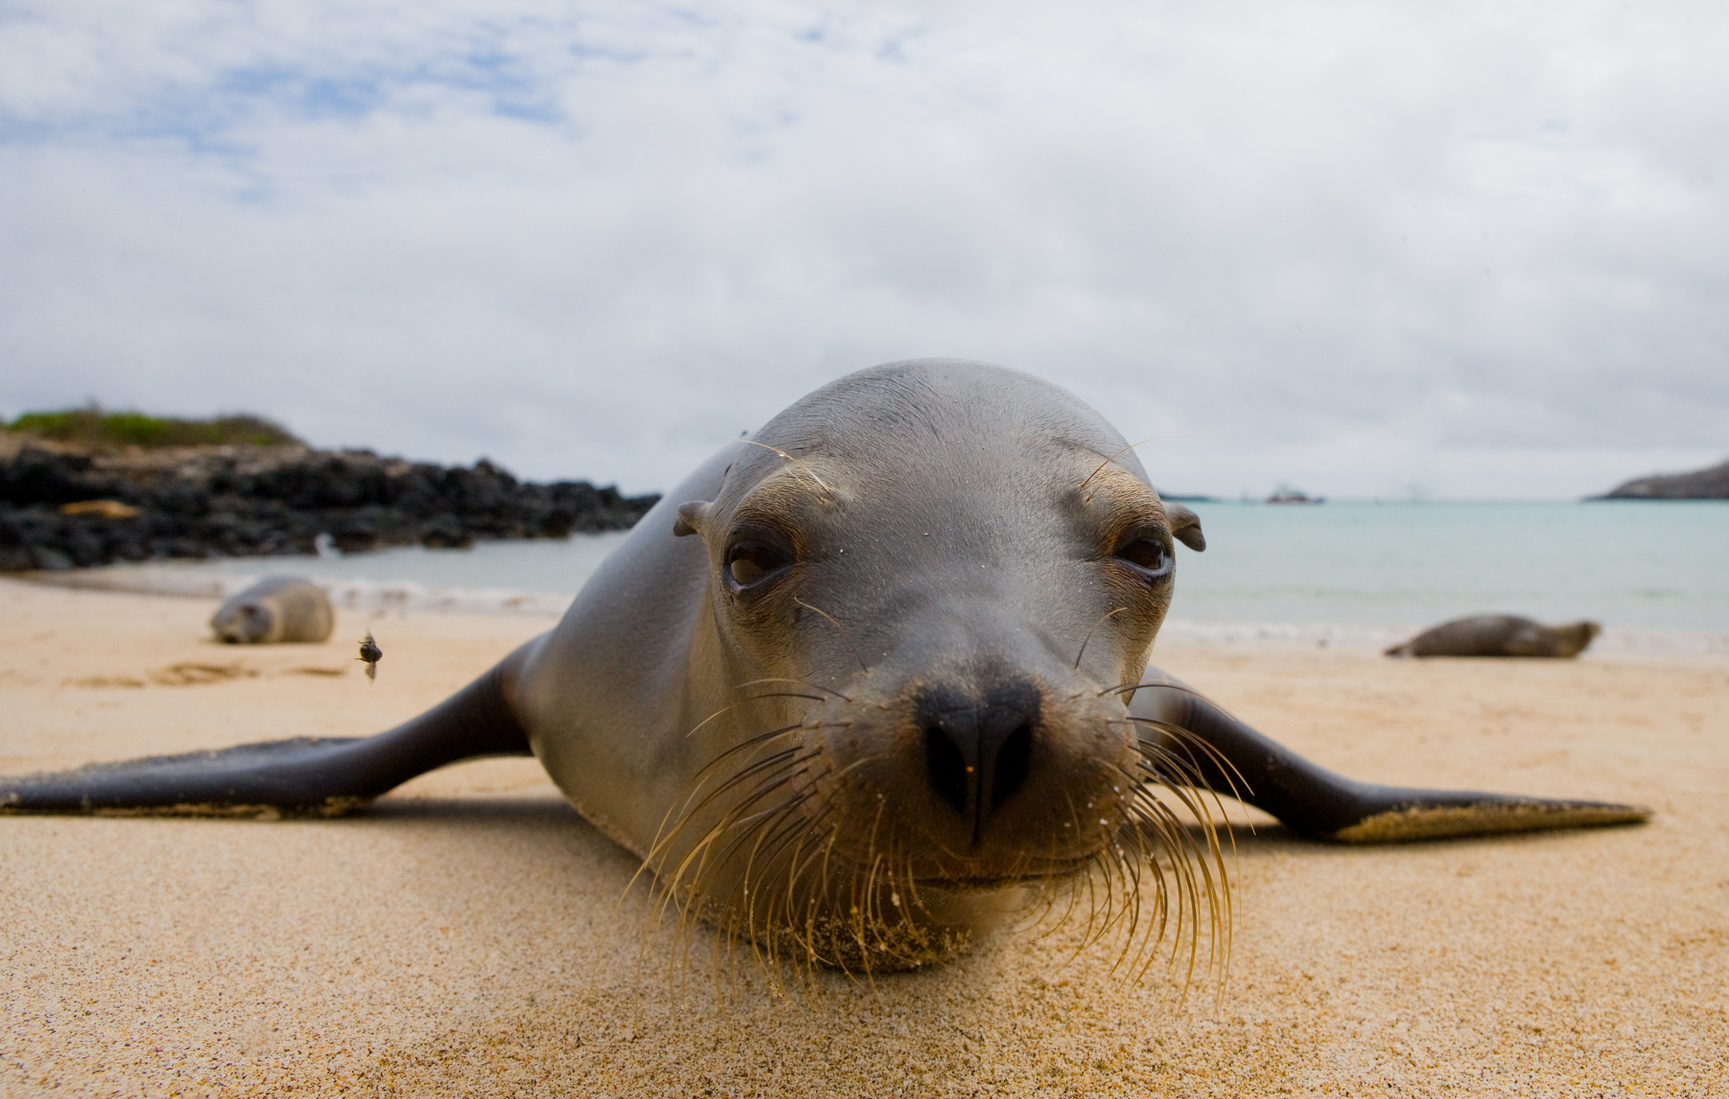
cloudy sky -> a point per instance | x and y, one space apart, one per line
1466 250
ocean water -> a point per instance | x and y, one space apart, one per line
1360 570
1626 564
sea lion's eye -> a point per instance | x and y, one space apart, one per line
750 563
1149 555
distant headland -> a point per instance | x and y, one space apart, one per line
86 487
1703 484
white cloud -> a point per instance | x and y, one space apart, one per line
1475 250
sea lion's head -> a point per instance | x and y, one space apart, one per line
945 580
243 621
1572 638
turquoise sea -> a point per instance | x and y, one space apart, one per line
1630 565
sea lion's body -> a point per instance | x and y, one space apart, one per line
1499 635
277 609
858 674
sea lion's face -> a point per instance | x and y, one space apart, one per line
244 622
958 620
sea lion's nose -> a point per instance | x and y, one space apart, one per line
978 748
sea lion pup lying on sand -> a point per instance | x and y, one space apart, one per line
274 610
1499 635
858 674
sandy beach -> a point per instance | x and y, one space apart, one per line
471 935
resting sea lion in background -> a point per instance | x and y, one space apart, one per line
276 609
860 673
1499 635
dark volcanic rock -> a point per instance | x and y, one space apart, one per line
247 501
1704 484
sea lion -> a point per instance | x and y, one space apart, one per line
276 609
860 676
1499 635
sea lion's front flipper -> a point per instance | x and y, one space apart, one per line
1233 759
327 775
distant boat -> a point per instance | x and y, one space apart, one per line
1285 494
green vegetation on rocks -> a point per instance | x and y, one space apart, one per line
94 427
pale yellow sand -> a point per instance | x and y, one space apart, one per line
467 936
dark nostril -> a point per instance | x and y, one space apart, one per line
1009 772
979 749
951 774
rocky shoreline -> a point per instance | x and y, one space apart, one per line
1703 484
63 508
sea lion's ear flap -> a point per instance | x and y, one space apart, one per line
692 517
1186 525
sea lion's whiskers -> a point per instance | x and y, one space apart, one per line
1158 924
1073 893
1114 457
1130 876
789 886
858 915
1130 916
661 837
803 935
758 821
1175 892
799 462
812 826
825 887
736 817
670 885
801 682
1095 886
1184 895
701 777
1111 865
915 902
752 888
912 935
785 694
802 929
1089 638
1190 743
696 894
1164 767
1149 814
835 622
1188 857
1092 907
702 848
790 832
766 884
1146 950
769 826
1194 797
1109 902
1047 891
856 924
729 707
1187 738
1192 860
689 812
1179 757
872 892
1124 688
